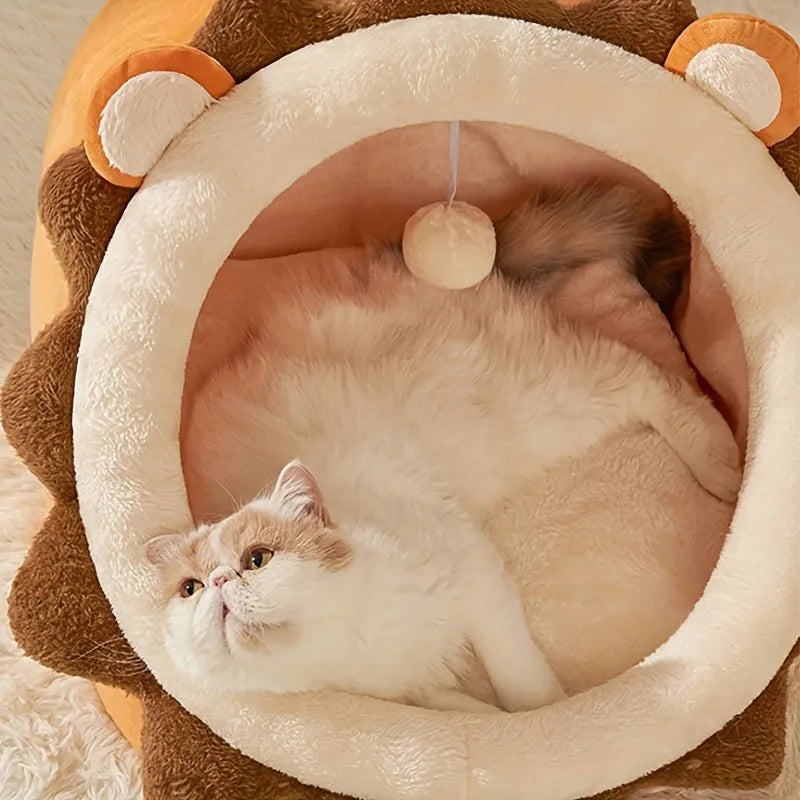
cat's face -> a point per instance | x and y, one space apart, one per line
244 588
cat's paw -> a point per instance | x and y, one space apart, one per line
714 458
455 700
532 697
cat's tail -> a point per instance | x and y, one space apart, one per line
558 230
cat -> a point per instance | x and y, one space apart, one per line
558 229
415 411
288 601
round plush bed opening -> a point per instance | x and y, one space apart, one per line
610 552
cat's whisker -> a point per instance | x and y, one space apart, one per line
237 504
130 662
140 669
123 659
97 646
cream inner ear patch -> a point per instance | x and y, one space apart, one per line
145 114
739 79
749 66
144 103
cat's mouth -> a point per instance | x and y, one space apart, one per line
234 622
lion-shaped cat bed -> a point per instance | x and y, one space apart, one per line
290 128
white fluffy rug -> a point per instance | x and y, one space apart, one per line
56 743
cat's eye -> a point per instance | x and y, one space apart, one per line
190 586
257 558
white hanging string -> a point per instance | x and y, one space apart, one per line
455 131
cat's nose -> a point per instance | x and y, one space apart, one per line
221 575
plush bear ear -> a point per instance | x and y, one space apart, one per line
146 102
747 64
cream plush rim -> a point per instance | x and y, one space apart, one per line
199 199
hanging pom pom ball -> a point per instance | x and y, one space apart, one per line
449 245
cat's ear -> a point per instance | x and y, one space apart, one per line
162 549
297 492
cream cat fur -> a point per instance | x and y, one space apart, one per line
350 606
418 411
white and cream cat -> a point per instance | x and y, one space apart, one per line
415 412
